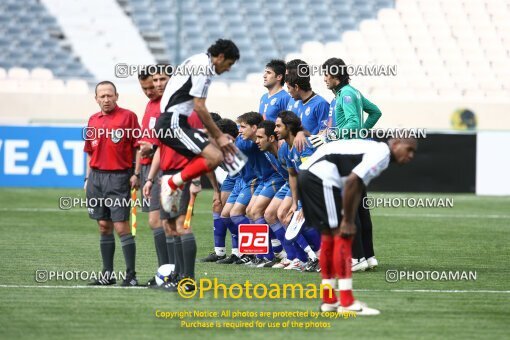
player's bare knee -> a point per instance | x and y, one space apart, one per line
270 216
154 221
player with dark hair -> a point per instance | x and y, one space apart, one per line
330 186
147 143
187 92
234 210
229 127
180 242
277 210
312 109
347 118
269 182
109 176
276 98
287 127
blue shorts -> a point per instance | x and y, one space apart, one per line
282 193
241 193
228 184
269 187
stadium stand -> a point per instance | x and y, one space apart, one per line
101 34
262 29
30 38
443 50
449 54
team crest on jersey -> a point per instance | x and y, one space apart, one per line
117 135
152 122
273 101
347 99
307 111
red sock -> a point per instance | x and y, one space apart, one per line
342 263
196 167
327 270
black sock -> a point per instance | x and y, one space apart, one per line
357 243
179 265
170 247
107 246
129 249
366 227
160 244
189 249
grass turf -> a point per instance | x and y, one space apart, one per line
472 236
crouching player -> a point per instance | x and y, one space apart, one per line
330 185
287 126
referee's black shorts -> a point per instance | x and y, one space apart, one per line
174 131
322 204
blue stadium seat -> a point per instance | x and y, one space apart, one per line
261 29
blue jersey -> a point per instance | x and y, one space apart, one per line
256 158
314 114
331 117
270 107
277 165
294 158
247 173
293 105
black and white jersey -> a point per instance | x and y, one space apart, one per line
334 161
190 80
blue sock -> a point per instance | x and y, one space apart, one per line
290 249
220 230
279 231
227 221
301 241
272 236
313 237
239 219
300 253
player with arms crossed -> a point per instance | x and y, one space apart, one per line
330 184
347 118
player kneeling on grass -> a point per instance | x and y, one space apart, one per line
330 185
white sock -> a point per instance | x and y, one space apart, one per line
235 251
308 250
177 179
220 251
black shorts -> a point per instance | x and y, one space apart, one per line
322 204
174 131
154 203
183 205
108 195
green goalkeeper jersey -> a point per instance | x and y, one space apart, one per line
350 105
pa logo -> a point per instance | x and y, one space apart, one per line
253 238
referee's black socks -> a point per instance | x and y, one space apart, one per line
129 249
107 247
189 250
160 244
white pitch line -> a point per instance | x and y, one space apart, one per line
454 291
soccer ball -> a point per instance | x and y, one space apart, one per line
163 274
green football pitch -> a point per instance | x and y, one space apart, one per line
473 236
